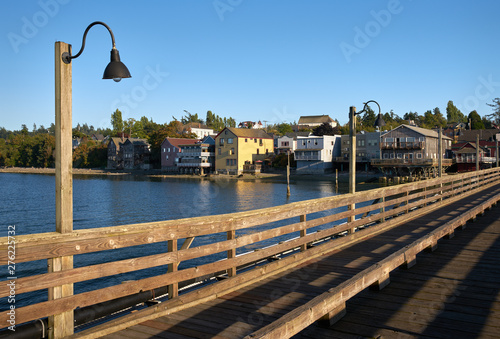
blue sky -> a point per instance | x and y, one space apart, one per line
272 60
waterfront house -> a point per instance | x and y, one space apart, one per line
288 142
412 150
314 154
197 158
236 148
170 149
115 156
465 153
136 153
367 148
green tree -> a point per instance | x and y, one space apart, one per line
326 129
117 121
453 114
475 120
284 128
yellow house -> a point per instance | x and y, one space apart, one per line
236 147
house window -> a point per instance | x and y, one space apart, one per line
392 156
419 155
246 140
258 151
232 151
386 156
220 151
221 141
421 139
400 156
229 140
164 150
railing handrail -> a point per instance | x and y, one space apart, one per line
396 200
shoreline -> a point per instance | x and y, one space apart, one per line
342 177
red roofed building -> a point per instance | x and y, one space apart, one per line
170 149
465 155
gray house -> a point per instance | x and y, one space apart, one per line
367 148
412 150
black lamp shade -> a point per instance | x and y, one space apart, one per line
116 70
379 122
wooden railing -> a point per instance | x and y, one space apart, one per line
303 223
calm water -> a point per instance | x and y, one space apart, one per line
28 202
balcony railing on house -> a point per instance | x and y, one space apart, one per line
410 162
472 159
409 145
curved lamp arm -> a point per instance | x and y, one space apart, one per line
67 57
366 105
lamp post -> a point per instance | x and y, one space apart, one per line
352 148
62 324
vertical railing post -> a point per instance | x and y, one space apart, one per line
173 289
382 209
352 160
61 325
231 235
303 233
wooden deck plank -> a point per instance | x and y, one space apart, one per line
450 292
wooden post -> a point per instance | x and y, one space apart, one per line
496 152
61 325
477 152
382 209
173 290
231 253
303 233
352 159
288 175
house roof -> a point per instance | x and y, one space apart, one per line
420 130
181 141
247 133
294 135
314 119
137 141
117 142
470 147
484 134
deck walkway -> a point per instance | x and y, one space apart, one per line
451 292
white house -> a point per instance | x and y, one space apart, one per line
314 154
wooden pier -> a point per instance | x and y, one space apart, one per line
322 279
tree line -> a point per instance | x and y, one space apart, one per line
35 148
